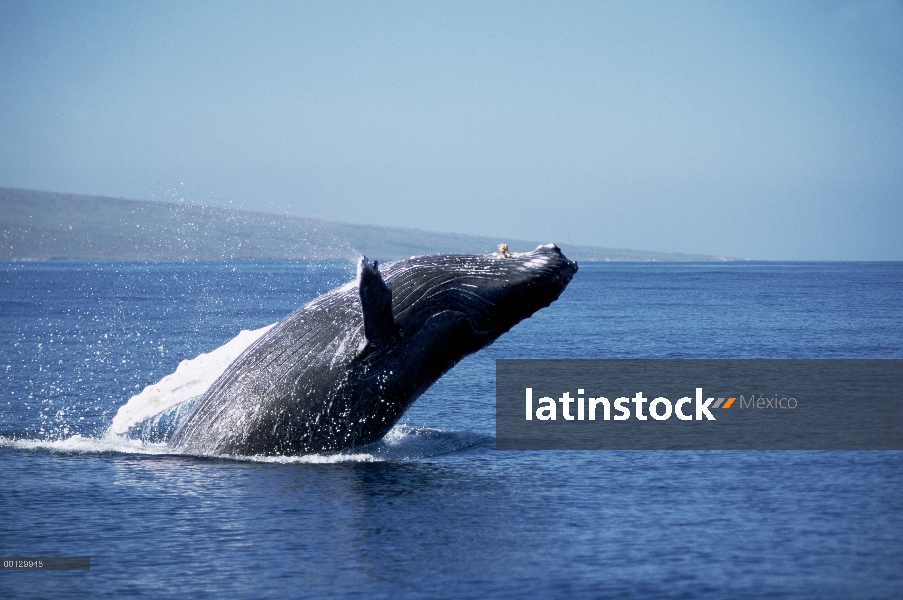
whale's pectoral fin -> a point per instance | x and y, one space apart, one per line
376 304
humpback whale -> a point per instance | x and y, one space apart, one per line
340 371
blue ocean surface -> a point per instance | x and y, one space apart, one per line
434 510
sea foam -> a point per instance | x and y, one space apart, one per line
402 443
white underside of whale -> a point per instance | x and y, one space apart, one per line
191 379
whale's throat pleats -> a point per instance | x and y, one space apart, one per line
376 304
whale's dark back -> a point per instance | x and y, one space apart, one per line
313 382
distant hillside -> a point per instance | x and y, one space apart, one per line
46 225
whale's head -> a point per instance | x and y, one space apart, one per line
491 293
446 306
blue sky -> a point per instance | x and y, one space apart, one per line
746 129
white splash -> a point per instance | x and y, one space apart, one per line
191 379
78 444
402 443
112 443
316 459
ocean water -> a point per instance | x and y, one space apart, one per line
434 510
